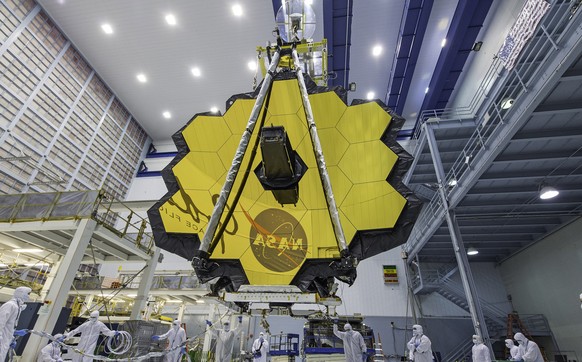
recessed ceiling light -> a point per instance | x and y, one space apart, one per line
196 71
426 90
370 95
444 42
548 192
214 110
472 251
252 65
309 2
107 28
237 10
377 50
171 19
167 115
33 250
453 182
142 78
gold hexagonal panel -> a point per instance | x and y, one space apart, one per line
275 244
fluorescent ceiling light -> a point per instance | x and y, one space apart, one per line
132 295
142 78
453 182
214 110
377 50
174 301
548 192
107 29
200 301
472 251
444 42
237 10
30 250
252 65
426 90
171 19
167 115
196 71
370 95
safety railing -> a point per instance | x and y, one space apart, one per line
120 219
461 351
536 324
171 282
487 106
74 205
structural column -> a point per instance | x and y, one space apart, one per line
145 284
181 312
58 293
459 248
49 280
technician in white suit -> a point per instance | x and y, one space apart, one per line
9 315
530 352
419 346
260 348
225 338
480 351
90 331
176 337
52 351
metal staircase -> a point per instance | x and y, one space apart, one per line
461 352
439 280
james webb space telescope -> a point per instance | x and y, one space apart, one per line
291 187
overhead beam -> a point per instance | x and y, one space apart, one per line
122 243
66 242
39 225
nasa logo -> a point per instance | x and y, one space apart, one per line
278 240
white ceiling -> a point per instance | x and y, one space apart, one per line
209 36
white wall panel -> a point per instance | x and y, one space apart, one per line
369 295
546 279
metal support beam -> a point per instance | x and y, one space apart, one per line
475 310
122 243
62 284
50 278
181 311
417 152
145 284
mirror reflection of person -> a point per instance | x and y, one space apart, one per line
260 348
